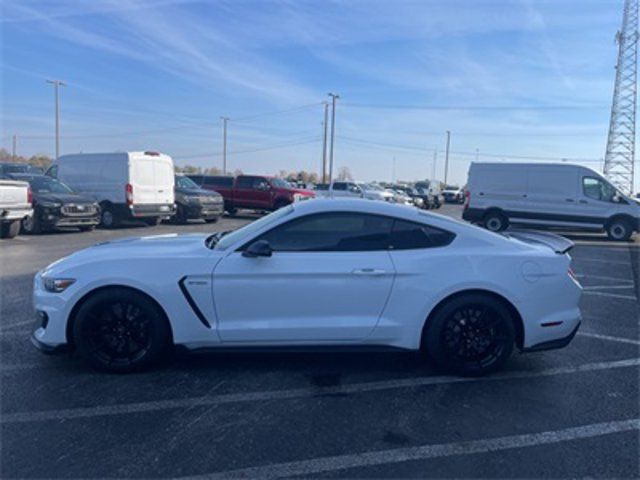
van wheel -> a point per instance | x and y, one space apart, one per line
470 335
108 217
10 229
619 229
495 221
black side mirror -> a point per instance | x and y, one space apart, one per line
261 248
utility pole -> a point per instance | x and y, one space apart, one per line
446 157
224 144
56 84
433 165
324 142
334 97
13 151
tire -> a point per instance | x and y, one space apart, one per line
108 217
87 228
121 330
470 335
495 221
31 225
212 220
619 230
180 217
153 221
10 229
231 210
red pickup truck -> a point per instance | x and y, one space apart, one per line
252 192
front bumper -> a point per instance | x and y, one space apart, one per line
205 210
46 348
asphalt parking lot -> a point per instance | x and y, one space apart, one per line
566 413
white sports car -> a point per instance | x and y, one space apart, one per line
324 273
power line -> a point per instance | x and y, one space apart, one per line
276 112
315 139
475 107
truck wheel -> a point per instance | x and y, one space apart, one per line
10 229
231 210
495 221
619 229
31 225
108 217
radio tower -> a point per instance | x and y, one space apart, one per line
621 144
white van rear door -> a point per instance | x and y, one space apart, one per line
142 179
164 180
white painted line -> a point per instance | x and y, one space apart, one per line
212 400
3 327
305 468
603 277
609 287
597 260
611 295
610 338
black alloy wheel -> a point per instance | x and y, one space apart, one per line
120 330
472 335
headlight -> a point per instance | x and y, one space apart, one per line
57 285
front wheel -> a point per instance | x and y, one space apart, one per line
471 335
108 217
619 230
121 330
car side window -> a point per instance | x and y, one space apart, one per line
339 186
331 232
260 184
407 235
245 182
597 189
52 171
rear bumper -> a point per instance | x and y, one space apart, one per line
152 210
17 213
553 344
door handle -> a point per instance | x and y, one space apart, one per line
568 199
583 201
368 272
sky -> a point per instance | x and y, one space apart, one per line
510 79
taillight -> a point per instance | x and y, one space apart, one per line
29 195
129 191
467 198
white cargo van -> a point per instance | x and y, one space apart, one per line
548 195
130 185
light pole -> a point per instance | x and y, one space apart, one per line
13 150
446 158
56 84
224 144
324 142
334 97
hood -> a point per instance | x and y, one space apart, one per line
63 198
156 246
302 191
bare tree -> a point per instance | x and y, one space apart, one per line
344 174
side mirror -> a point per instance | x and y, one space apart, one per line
261 248
263 187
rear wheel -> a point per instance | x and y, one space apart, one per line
121 330
10 229
619 229
471 335
495 221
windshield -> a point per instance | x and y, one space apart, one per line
48 185
373 186
225 241
278 182
186 182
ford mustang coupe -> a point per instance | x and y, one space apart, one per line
321 273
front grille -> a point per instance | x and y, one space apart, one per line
211 200
79 210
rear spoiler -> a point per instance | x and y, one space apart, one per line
555 242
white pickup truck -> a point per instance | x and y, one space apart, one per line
340 189
15 204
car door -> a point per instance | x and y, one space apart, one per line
327 280
596 200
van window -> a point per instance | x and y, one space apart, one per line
598 189
53 171
245 182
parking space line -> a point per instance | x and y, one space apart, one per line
609 287
207 401
612 295
603 277
610 338
304 468
597 260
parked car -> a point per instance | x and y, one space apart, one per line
9 168
15 205
252 192
414 197
55 205
433 190
350 189
548 195
127 186
376 275
193 202
453 195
